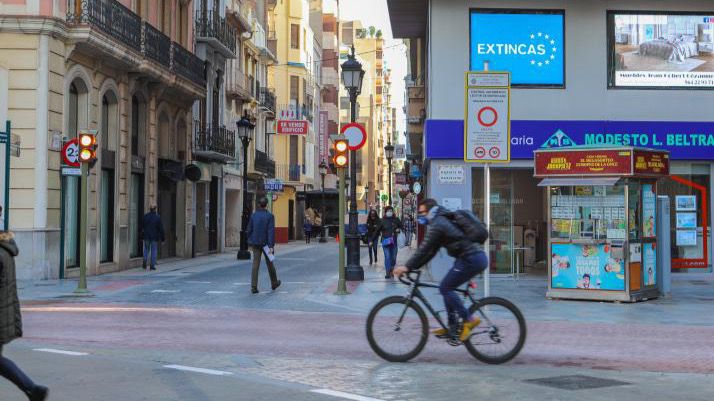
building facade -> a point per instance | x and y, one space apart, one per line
71 66
597 80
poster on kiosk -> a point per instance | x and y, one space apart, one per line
602 206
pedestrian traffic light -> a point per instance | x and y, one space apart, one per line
341 156
87 148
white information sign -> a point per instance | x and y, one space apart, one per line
451 174
487 120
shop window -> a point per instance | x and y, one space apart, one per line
294 36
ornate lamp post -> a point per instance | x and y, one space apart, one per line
352 75
245 134
323 172
389 154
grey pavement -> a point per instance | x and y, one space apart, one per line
288 343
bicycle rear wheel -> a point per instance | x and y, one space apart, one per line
397 329
501 334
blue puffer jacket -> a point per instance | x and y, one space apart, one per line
261 229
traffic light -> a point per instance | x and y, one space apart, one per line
87 148
341 158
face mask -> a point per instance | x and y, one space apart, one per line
389 214
422 220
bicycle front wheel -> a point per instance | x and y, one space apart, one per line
397 329
501 334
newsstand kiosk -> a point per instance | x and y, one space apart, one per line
602 221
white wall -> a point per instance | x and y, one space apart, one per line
586 95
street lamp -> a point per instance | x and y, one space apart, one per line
389 154
323 172
352 75
245 133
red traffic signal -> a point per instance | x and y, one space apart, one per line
341 158
87 147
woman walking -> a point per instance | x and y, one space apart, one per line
11 320
389 228
373 234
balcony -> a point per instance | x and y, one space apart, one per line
155 45
212 28
237 85
187 64
214 143
109 16
267 99
251 86
264 164
273 43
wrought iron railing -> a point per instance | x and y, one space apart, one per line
187 64
215 140
264 164
236 84
110 16
212 25
267 98
155 45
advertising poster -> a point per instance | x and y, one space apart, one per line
649 206
686 203
660 50
686 220
531 45
578 266
649 264
686 237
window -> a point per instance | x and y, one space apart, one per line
135 112
344 103
294 36
294 90
183 25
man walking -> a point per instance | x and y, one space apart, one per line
11 319
261 238
152 231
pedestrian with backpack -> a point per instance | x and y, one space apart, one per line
463 236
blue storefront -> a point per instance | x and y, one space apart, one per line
518 205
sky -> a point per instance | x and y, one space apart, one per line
375 12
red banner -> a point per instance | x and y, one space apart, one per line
651 163
292 127
583 162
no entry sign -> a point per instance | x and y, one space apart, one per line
488 132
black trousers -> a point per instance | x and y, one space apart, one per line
10 371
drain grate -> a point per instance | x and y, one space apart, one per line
576 382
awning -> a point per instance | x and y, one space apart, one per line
569 182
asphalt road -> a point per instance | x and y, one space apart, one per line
196 333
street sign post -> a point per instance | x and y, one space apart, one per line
5 138
487 136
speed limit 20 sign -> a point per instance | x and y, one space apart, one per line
70 153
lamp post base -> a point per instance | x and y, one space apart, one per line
354 273
322 240
243 254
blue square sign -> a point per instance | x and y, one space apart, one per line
529 45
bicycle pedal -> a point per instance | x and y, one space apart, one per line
454 342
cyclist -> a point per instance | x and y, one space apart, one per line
470 260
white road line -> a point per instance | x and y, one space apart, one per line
59 351
198 282
241 283
165 291
198 370
219 292
346 396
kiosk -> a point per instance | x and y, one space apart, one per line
602 221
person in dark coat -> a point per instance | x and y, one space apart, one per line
373 234
152 231
389 228
11 319
261 233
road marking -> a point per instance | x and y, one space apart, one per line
198 370
219 292
198 282
241 283
346 396
294 282
59 351
165 291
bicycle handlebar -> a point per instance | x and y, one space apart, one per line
407 278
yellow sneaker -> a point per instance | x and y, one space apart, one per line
440 332
468 326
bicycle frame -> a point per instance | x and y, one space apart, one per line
414 292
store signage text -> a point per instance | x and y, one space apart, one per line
292 127
599 162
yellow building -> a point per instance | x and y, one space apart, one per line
293 78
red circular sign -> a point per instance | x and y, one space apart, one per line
480 152
356 135
70 153
480 116
494 152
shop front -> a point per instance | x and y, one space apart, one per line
519 206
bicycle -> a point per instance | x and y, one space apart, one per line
409 322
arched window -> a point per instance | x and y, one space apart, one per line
167 144
108 142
